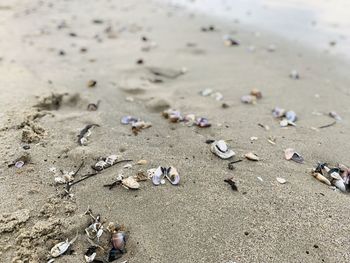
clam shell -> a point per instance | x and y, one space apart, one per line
59 249
173 176
291 116
251 156
321 178
281 180
157 176
118 240
131 183
220 149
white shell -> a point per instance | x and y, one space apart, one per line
131 183
339 184
157 177
59 249
251 156
112 159
284 123
220 149
281 180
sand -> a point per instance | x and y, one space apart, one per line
202 219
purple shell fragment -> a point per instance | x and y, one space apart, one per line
128 119
202 122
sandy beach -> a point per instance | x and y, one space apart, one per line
57 47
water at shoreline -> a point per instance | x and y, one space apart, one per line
324 25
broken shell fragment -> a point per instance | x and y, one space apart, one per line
256 93
131 183
206 92
118 241
229 41
334 115
321 178
291 154
90 254
278 112
19 164
111 159
61 247
251 156
142 162
128 120
248 99
220 149
284 123
173 176
281 180
202 122
294 74
91 83
85 133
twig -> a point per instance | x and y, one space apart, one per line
114 184
328 125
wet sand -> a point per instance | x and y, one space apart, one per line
202 219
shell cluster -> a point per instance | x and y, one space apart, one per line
189 119
338 176
136 124
286 117
252 98
160 174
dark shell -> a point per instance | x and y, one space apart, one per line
118 241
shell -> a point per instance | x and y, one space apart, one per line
90 254
220 149
19 164
218 96
142 162
202 122
251 156
281 180
112 159
59 249
206 92
284 123
248 99
278 112
256 93
100 165
294 74
118 240
334 115
321 178
173 176
128 119
339 184
291 116
157 176
291 154
131 183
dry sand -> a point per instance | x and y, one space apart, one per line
201 220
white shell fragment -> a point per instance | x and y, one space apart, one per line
130 183
281 180
251 156
220 149
61 247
